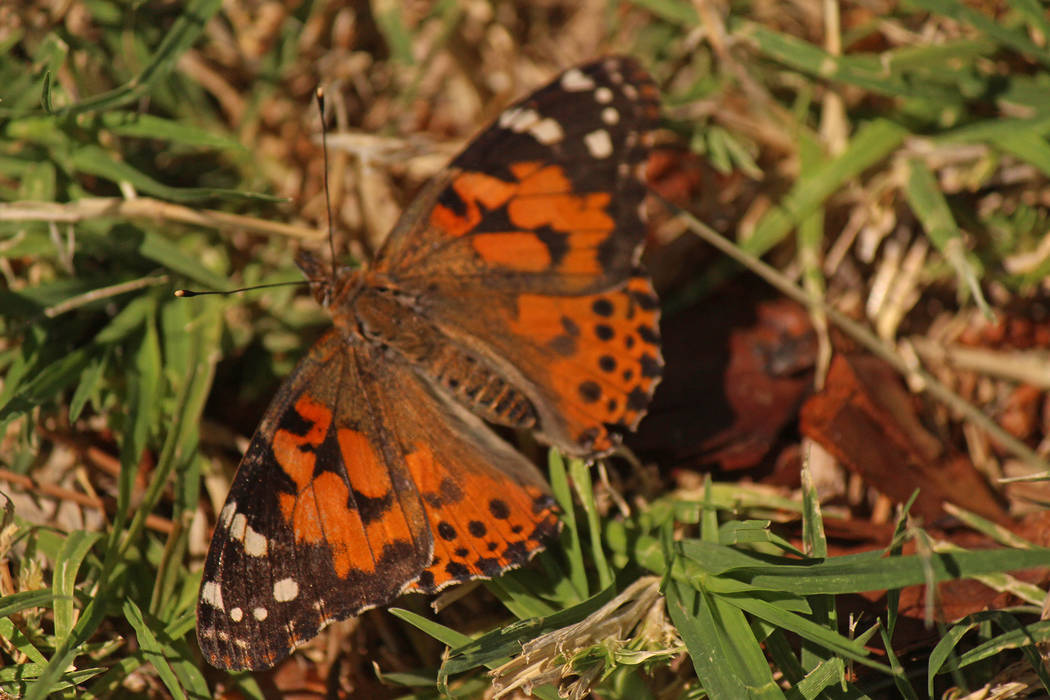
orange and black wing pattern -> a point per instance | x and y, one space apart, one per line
509 291
526 252
322 522
359 481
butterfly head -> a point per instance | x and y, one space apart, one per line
328 284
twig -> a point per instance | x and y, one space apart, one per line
103 293
1032 367
154 522
147 208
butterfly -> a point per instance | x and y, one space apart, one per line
508 293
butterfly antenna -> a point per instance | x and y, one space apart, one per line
327 194
186 293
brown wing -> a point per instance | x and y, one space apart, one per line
525 253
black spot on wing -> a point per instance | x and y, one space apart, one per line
293 422
489 567
450 491
516 552
569 326
451 200
371 508
649 334
446 531
426 581
589 391
637 400
564 345
557 243
651 367
602 307
457 571
646 300
499 509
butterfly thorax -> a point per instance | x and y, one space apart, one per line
393 320
369 308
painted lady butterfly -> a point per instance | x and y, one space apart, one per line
508 292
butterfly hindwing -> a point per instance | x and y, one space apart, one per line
488 507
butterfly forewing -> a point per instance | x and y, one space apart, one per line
546 199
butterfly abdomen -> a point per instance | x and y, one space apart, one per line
481 389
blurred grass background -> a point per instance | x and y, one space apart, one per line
889 157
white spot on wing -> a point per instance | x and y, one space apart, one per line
255 543
238 527
598 143
236 614
547 131
242 643
518 119
575 80
603 95
610 115
260 614
227 513
285 590
211 594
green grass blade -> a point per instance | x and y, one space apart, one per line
872 143
1010 37
854 575
94 160
67 565
581 478
445 635
569 539
148 126
931 208
23 600
183 33
152 649
725 654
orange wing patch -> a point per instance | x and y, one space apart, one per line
518 250
602 356
483 522
534 224
320 511
460 213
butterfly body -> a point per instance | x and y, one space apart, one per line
367 308
509 292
